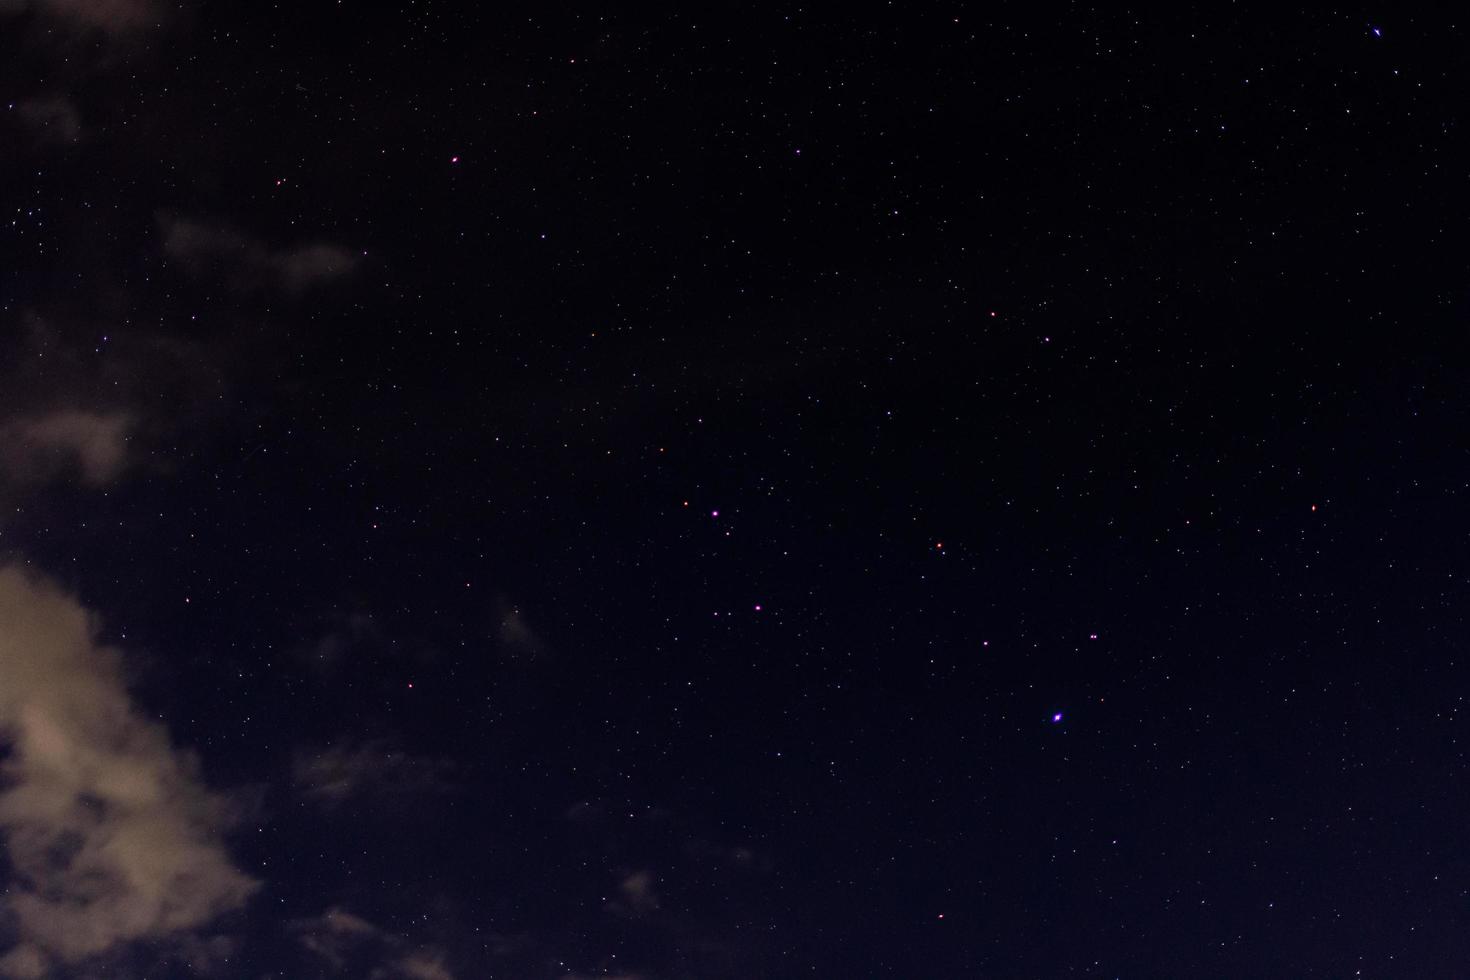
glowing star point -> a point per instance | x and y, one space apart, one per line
1056 718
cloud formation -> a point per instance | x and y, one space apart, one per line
419 966
638 893
247 263
343 942
107 16
516 636
52 120
334 934
110 835
332 775
38 448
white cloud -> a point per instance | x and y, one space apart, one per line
110 834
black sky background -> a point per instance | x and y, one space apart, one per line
984 331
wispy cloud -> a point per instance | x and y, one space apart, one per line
333 935
107 16
38 448
330 776
345 942
417 966
111 835
638 895
91 403
516 636
50 120
247 263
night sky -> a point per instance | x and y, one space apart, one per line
939 492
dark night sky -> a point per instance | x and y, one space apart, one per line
941 492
